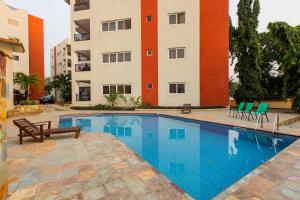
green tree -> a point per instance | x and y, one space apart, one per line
63 84
246 50
48 85
271 66
289 39
112 98
26 81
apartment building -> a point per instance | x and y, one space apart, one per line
19 26
60 61
169 52
7 48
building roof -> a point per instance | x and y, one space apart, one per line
16 46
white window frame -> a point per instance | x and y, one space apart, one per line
117 85
177 130
176 15
116 22
117 57
177 48
180 83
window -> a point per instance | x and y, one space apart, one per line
176 88
105 26
105 58
149 52
105 89
118 57
127 89
149 18
121 89
149 86
127 57
17 58
177 133
123 24
177 18
112 57
176 53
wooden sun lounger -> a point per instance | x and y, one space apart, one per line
186 109
37 130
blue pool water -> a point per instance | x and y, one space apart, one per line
202 158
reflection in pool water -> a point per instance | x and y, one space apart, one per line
201 158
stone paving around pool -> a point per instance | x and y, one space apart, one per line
97 166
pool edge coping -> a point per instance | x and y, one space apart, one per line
230 189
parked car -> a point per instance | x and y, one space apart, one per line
47 99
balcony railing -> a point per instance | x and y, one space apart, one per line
84 67
81 37
83 97
81 6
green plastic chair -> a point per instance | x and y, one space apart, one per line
247 110
238 109
262 110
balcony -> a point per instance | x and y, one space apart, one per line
83 67
82 6
82 30
81 37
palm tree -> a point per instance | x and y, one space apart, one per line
63 83
26 81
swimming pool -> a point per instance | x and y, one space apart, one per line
201 158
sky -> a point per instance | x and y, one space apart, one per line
56 15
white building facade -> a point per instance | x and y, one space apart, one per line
168 52
19 26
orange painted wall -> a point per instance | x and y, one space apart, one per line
214 48
36 53
149 39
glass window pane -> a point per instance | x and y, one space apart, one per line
105 58
172 19
127 57
180 88
172 88
113 89
149 52
181 18
105 89
120 25
120 57
121 89
172 53
127 89
105 26
149 18
180 53
112 26
113 57
128 24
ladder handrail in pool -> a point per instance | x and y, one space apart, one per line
276 123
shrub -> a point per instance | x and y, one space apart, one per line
28 102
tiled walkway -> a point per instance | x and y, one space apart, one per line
97 166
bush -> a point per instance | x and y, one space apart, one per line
28 102
101 107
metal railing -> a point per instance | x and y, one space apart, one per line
276 123
84 67
83 97
81 37
81 6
